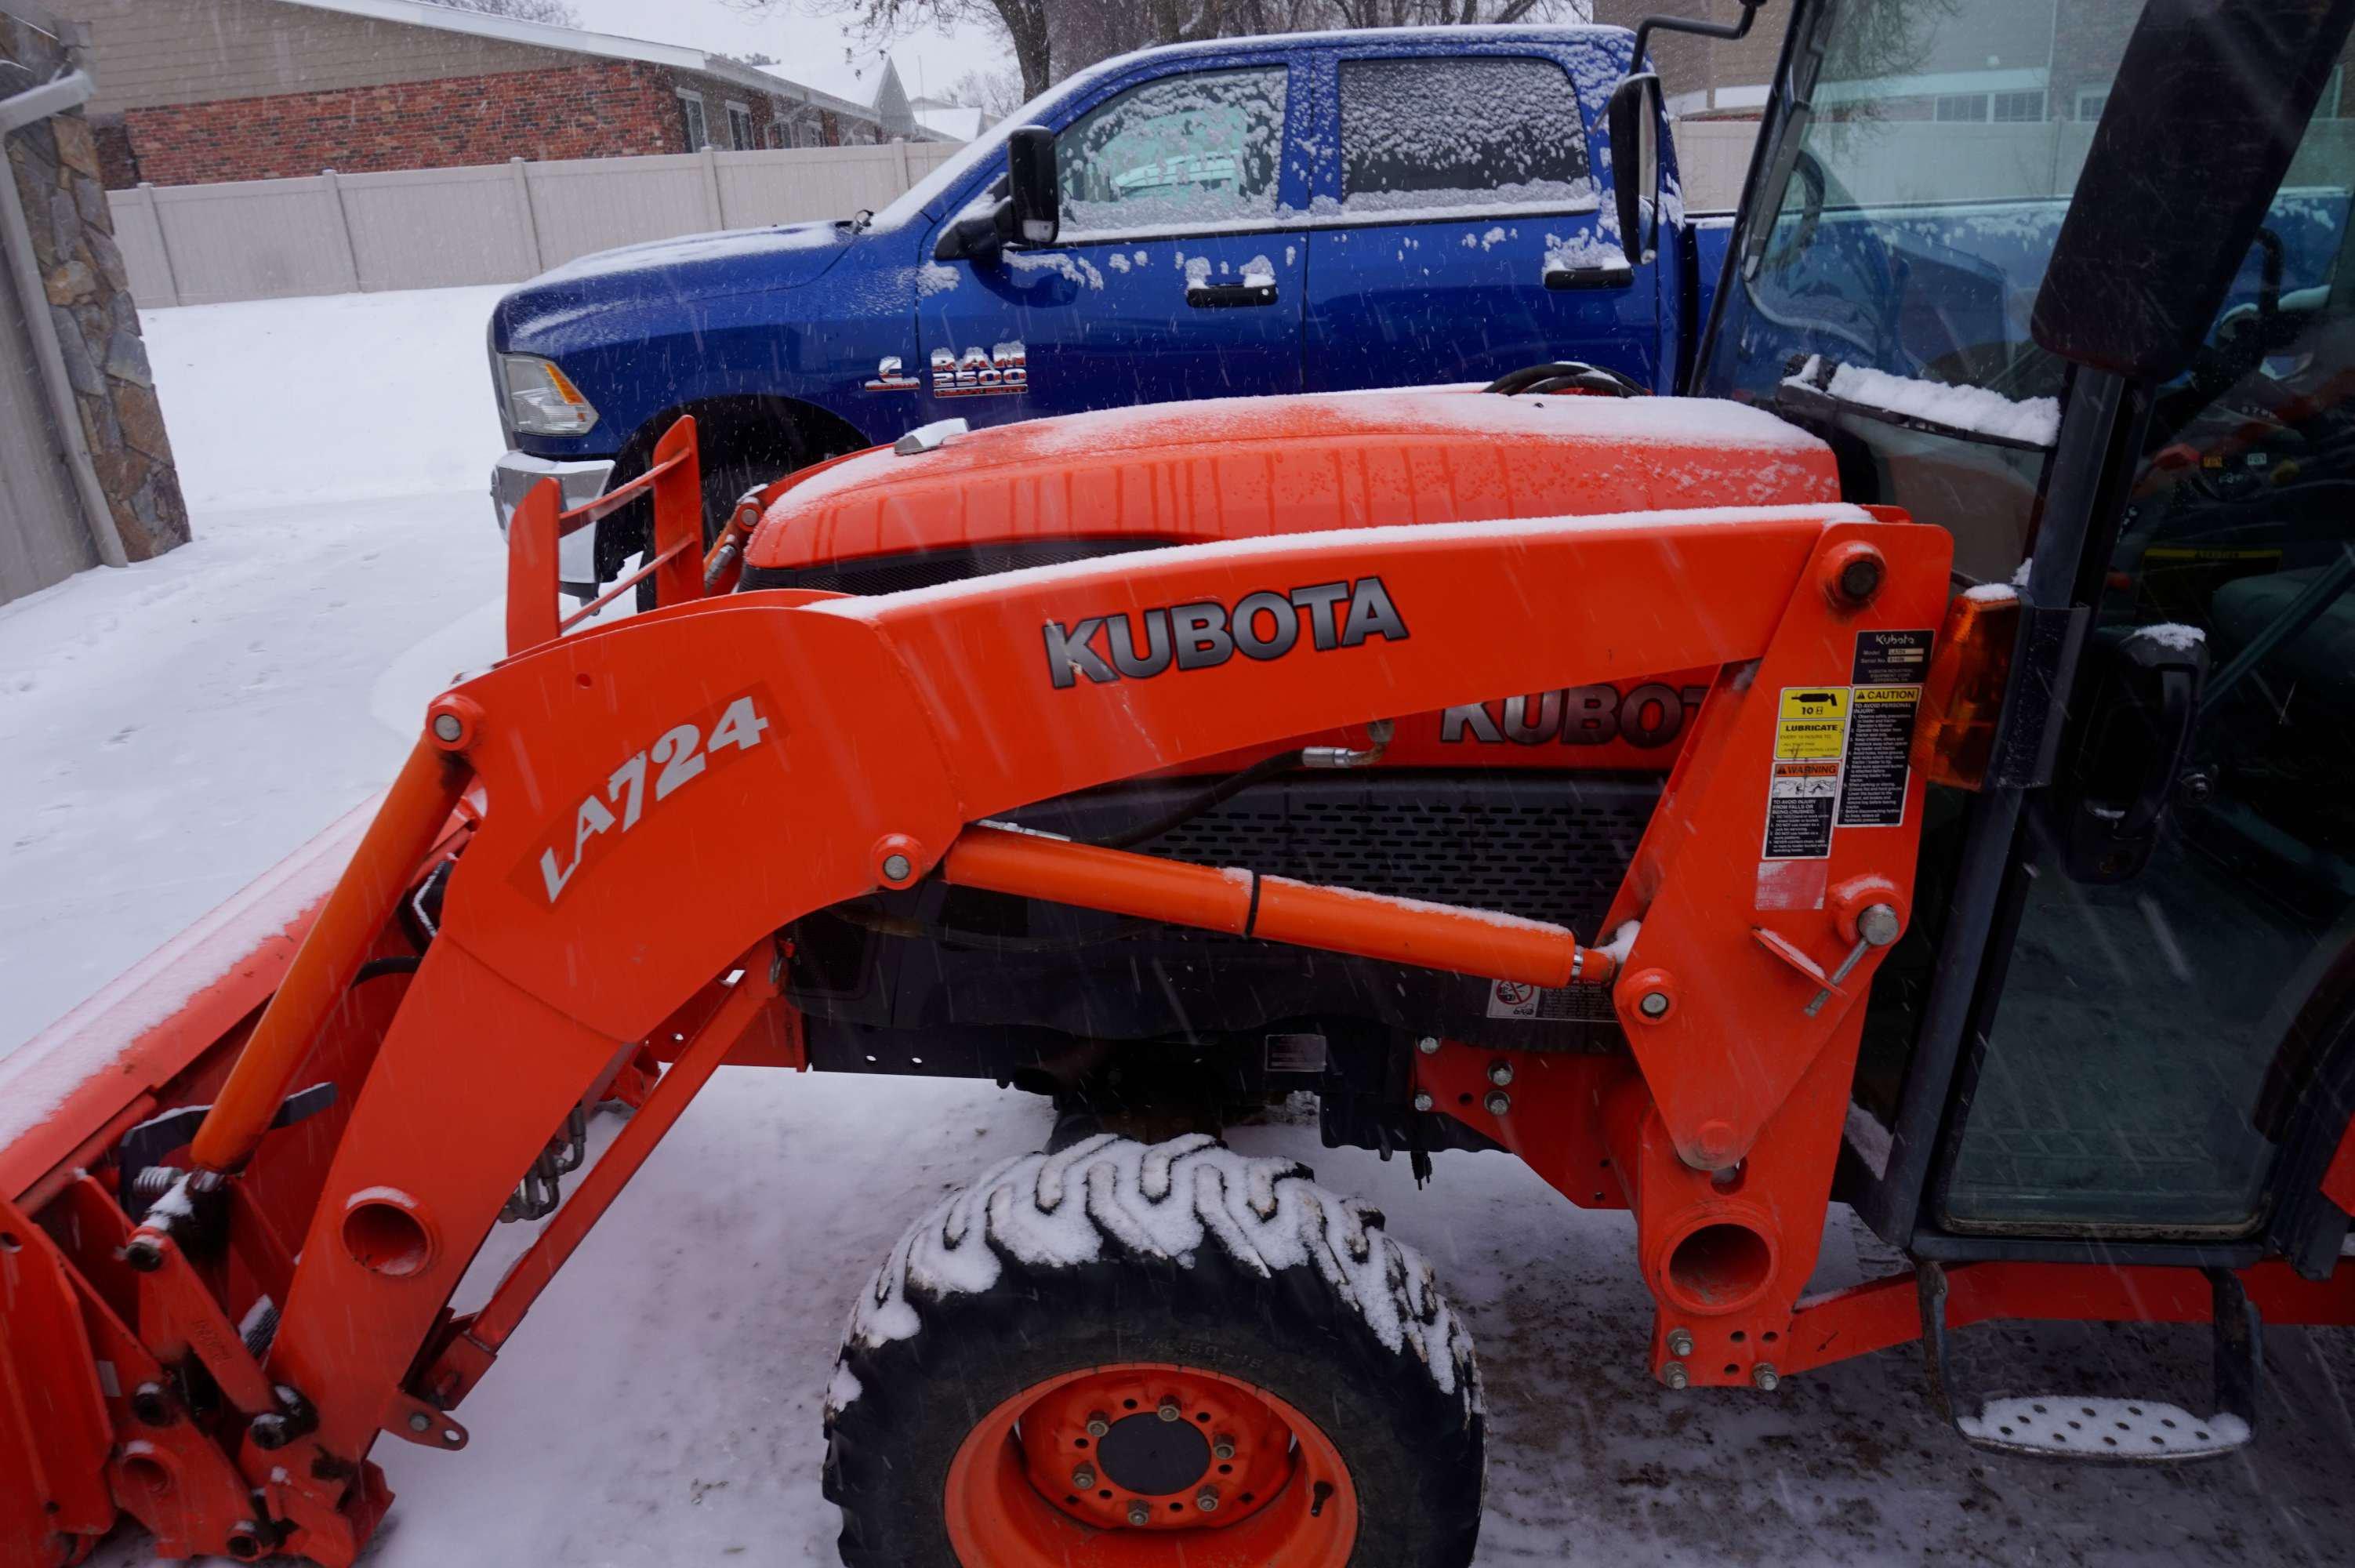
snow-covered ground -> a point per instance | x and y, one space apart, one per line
173 729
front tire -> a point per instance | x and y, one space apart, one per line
1245 1365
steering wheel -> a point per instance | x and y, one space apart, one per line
1808 173
1574 376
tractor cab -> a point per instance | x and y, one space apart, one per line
2100 327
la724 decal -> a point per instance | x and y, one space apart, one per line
697 746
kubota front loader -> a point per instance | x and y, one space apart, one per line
1682 795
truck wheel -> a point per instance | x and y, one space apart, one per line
1128 1354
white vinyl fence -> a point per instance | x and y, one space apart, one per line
497 223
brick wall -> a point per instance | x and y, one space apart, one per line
1691 64
597 108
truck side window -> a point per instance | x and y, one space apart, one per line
1194 151
1444 133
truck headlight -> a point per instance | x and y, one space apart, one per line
542 399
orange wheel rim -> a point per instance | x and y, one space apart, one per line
1184 1465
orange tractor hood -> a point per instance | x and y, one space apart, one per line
1250 467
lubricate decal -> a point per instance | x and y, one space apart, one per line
891 376
1889 667
1003 370
1649 716
702 744
1263 626
1804 792
1840 758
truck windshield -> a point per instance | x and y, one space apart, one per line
1922 155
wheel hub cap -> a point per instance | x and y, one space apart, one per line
1145 1454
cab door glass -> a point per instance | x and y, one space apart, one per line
1181 154
2161 1019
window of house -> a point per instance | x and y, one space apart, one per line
1196 150
740 127
1433 133
690 109
2014 108
1963 108
2091 102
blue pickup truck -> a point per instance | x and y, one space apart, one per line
1307 213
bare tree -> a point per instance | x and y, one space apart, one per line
555 13
995 93
1052 38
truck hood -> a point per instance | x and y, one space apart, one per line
671 273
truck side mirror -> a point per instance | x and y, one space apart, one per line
1635 162
1032 193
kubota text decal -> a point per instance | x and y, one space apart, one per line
1262 625
725 732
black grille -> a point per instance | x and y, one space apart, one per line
931 568
1546 846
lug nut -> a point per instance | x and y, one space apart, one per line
1498 1101
1654 1005
1423 1102
1169 1410
1680 1343
1500 1073
1764 1376
1098 1423
1428 1045
1207 1499
1084 1479
1674 1375
1223 1446
1140 1513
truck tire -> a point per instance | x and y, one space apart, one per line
1110 1353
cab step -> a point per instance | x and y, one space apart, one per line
2103 1429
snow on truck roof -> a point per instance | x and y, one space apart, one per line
921 195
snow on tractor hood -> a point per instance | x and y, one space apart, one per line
1253 467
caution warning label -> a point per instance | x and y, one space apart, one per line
1813 722
1567 1004
1887 694
1800 801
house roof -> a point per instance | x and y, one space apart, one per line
956 122
603 46
854 76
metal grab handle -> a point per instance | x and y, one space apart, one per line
1224 296
2178 711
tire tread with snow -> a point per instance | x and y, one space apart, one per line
1184 1252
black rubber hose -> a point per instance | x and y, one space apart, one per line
377 969
1226 789
1564 375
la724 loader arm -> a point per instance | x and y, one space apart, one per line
636 811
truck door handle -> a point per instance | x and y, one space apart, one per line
1229 296
1617 277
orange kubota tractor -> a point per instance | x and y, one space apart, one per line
1165 760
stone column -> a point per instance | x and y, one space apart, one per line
55 163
